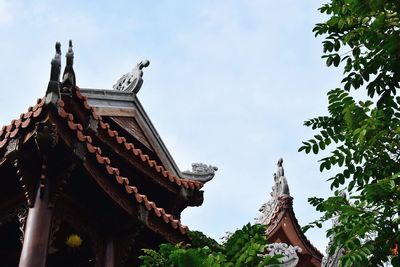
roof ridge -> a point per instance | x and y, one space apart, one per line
140 198
136 151
302 234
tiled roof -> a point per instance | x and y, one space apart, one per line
136 151
123 181
29 118
10 131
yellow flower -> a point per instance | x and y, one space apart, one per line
73 241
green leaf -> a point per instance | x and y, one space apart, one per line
315 149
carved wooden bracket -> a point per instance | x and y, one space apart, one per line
185 198
22 213
46 139
12 148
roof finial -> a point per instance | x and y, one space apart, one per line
70 54
56 64
69 74
132 81
280 171
53 88
281 186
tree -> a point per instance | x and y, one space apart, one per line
242 248
363 36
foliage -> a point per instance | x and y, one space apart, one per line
242 248
363 36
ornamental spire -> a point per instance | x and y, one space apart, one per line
53 89
56 64
280 190
69 74
281 186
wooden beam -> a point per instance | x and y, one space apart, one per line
121 112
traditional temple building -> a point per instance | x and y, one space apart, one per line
86 180
285 235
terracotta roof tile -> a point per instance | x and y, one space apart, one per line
122 180
14 133
10 131
159 168
157 211
144 157
128 146
166 217
151 163
139 198
3 142
174 223
132 190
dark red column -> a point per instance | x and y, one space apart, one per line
37 230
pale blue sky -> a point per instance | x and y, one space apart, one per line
230 84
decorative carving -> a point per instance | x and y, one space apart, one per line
69 80
53 89
280 171
46 136
22 213
12 148
187 197
46 139
24 185
200 172
289 252
56 64
281 185
280 197
132 81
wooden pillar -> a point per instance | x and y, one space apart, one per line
36 239
109 259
